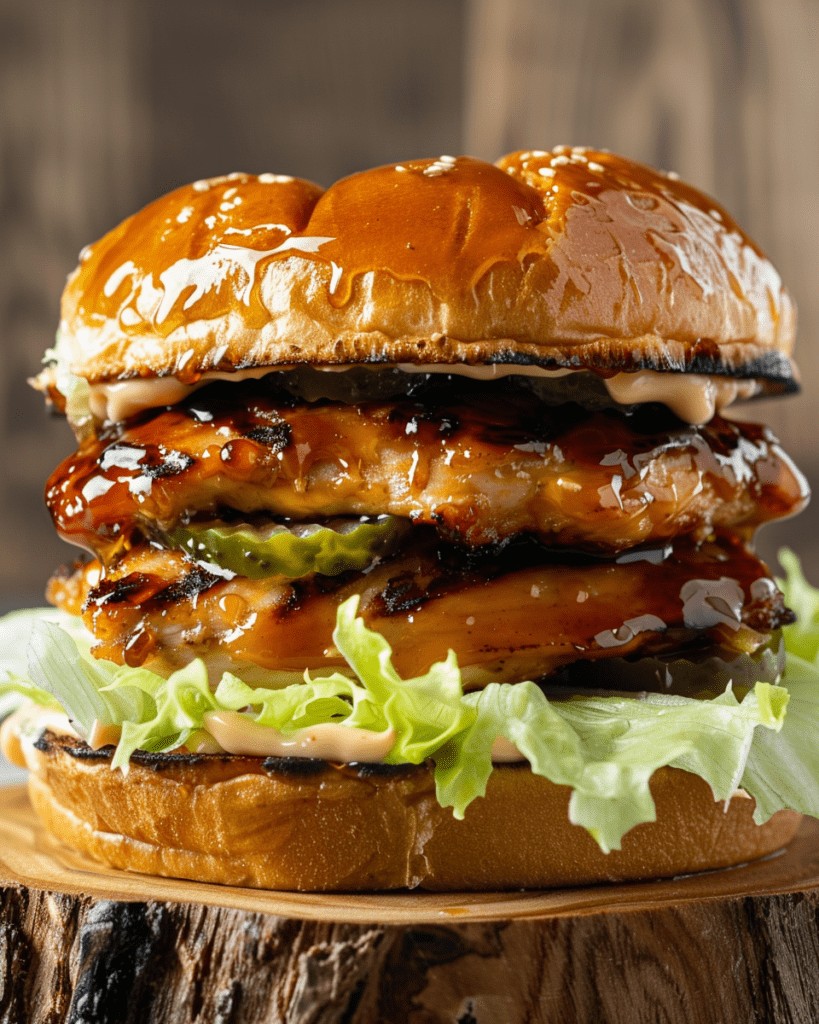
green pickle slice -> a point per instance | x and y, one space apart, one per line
296 550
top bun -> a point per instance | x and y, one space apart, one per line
574 258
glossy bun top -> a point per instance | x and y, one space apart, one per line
571 258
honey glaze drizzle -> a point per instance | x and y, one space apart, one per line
201 246
444 223
661 220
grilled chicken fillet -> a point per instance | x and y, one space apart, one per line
481 471
163 609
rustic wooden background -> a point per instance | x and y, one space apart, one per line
104 104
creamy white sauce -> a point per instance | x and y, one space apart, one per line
233 733
691 396
117 402
238 734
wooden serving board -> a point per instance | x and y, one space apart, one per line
84 943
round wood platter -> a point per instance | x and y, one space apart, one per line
83 943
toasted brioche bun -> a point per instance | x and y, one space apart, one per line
569 259
307 825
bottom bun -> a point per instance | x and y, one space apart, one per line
297 824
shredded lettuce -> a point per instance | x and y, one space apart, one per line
605 748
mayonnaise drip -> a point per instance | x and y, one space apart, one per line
691 396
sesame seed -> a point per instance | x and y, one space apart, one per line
560 161
673 175
578 158
274 179
597 168
201 186
561 149
547 172
444 163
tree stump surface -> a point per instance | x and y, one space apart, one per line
84 944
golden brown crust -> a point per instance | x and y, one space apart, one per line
564 259
242 821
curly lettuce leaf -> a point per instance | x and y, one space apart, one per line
425 711
783 770
607 748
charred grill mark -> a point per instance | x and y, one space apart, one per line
370 769
294 766
193 583
401 594
134 589
276 437
53 744
169 463
141 589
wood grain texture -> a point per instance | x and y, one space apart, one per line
725 92
72 162
82 943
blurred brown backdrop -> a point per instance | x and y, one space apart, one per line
105 104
